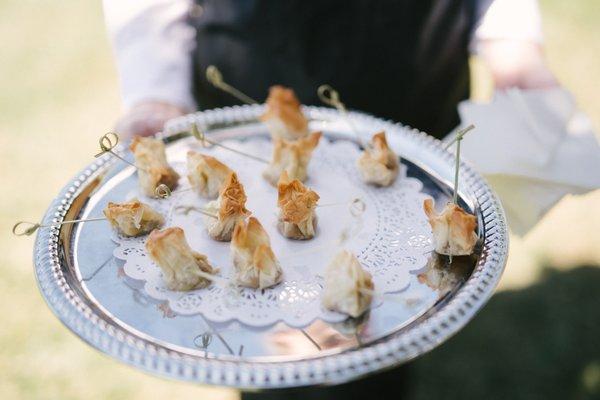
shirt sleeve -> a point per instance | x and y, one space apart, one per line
508 20
152 43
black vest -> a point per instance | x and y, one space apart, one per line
405 60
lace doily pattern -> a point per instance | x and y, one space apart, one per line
66 297
391 238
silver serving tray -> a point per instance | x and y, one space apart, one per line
81 283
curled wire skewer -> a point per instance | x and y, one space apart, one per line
459 136
164 192
107 143
356 206
214 76
330 96
457 139
186 210
201 136
34 226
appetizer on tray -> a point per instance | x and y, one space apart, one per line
255 264
292 157
133 218
183 269
297 218
283 115
378 165
348 287
227 209
152 165
206 174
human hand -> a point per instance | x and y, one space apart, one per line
146 118
515 63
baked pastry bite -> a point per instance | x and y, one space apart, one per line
255 264
153 168
378 164
453 229
283 116
292 157
229 208
133 218
206 174
348 287
297 203
181 266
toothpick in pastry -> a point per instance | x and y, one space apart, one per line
453 229
230 207
206 174
297 203
348 287
183 269
153 168
292 157
133 218
253 258
378 165
283 116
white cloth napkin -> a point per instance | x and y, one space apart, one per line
534 147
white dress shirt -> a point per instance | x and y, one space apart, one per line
152 43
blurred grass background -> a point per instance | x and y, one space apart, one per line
59 94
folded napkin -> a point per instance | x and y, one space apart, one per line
534 147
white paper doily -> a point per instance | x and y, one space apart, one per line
394 238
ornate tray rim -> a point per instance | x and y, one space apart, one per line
71 308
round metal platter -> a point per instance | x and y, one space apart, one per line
85 287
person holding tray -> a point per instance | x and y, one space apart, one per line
402 60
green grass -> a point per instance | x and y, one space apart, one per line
59 94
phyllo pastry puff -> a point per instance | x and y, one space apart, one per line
378 165
453 229
181 266
206 174
133 218
283 116
153 168
297 204
254 261
292 157
348 287
229 208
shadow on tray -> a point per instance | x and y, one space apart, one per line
540 342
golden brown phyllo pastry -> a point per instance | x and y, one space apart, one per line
254 261
206 174
153 168
453 229
133 218
292 157
181 266
297 203
283 116
378 164
348 287
229 208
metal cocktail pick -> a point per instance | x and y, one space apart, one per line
107 143
214 76
162 191
34 226
356 206
201 136
458 138
330 96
